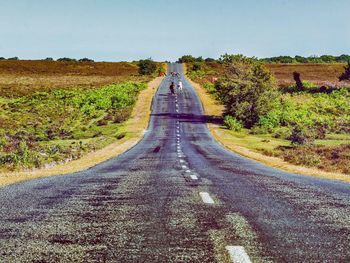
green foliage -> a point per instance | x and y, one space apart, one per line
147 67
86 60
310 59
237 58
197 66
67 59
189 59
232 123
301 135
13 58
46 125
248 91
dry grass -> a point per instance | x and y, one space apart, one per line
224 136
320 74
134 128
19 78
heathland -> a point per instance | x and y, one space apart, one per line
56 111
267 111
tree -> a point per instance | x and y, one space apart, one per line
227 58
346 74
147 66
298 83
86 60
189 59
48 59
248 91
13 58
67 59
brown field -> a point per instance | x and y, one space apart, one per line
18 78
320 74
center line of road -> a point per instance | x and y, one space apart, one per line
238 254
193 177
188 171
206 198
182 161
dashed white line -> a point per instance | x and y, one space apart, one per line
182 161
188 171
238 254
206 198
184 166
193 177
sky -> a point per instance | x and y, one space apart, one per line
125 30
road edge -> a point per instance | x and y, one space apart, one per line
208 102
135 128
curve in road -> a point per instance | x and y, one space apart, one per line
177 196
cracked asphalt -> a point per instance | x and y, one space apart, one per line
146 206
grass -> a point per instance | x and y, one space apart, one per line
52 113
264 147
133 128
24 77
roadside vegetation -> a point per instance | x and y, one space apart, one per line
303 123
62 118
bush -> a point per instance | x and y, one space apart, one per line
147 66
283 133
346 74
86 60
301 136
232 123
67 59
197 66
247 91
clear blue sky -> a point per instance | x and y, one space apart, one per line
114 30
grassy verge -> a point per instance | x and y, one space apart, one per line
262 147
128 134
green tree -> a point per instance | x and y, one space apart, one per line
147 66
248 91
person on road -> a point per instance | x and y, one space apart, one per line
172 87
179 85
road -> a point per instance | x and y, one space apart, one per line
177 196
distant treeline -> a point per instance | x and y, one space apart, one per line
51 59
280 59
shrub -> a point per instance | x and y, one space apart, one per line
147 66
67 59
13 58
283 133
232 123
86 60
301 136
247 91
346 74
197 66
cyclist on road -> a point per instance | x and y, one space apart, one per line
172 87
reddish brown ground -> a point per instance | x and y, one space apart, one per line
320 74
18 78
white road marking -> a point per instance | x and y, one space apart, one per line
206 198
178 135
184 167
177 110
238 254
182 161
193 177
188 171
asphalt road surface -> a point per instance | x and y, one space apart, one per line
177 196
